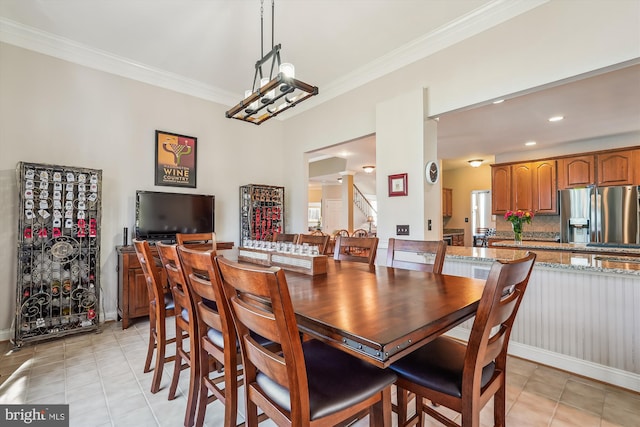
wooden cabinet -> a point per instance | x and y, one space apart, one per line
447 202
578 171
526 186
500 189
616 168
133 298
457 240
521 187
544 186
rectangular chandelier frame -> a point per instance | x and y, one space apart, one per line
280 88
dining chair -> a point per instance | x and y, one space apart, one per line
434 249
307 383
186 325
161 307
186 238
285 237
216 336
318 233
480 236
359 249
360 232
341 232
321 241
464 377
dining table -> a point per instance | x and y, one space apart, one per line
380 314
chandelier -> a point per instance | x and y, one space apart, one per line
271 95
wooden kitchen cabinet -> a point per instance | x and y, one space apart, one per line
528 186
447 202
133 298
616 168
500 189
545 190
522 186
457 240
578 171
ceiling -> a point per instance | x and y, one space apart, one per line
208 48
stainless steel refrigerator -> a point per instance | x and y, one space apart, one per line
607 215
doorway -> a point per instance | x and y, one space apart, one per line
481 219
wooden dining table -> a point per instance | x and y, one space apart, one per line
380 314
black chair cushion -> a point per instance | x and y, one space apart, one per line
438 366
336 380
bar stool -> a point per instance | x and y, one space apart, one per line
161 307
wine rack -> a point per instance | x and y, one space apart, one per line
58 274
261 212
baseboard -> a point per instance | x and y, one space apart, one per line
606 374
5 335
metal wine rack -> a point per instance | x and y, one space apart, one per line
58 280
261 211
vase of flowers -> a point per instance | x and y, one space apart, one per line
517 219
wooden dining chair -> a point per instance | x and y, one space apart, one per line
205 238
186 325
216 336
480 236
318 233
435 250
360 232
359 249
341 232
307 383
161 307
464 377
285 237
321 241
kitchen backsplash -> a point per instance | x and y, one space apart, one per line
541 227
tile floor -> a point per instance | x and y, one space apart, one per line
100 376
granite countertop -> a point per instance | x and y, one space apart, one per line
554 259
452 231
568 247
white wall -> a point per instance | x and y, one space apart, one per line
54 112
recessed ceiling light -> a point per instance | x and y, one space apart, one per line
530 143
498 101
556 118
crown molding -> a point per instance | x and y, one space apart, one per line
481 19
30 38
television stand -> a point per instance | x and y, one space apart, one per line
133 299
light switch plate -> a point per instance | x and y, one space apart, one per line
402 230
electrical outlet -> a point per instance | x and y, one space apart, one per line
402 230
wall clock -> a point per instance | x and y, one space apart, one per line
432 172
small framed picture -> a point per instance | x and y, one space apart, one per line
398 185
175 160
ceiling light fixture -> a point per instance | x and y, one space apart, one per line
368 168
530 143
498 101
556 118
274 94
340 179
475 163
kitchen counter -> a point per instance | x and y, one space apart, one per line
569 247
557 259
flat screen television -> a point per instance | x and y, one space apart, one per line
159 216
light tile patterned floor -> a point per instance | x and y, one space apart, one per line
100 376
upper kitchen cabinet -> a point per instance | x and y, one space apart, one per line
545 190
447 202
500 189
617 167
528 186
578 171
522 186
